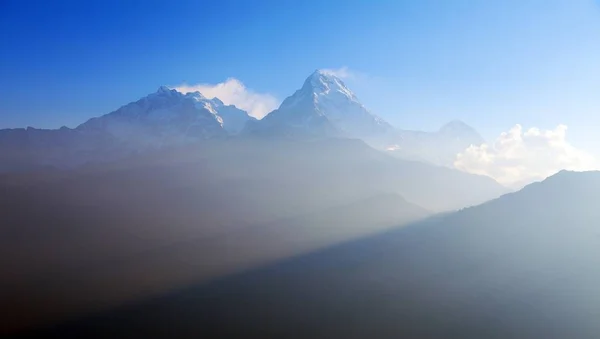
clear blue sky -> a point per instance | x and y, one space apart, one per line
421 63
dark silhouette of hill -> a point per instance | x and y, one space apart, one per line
525 265
103 234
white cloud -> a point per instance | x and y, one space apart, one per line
520 157
342 73
234 92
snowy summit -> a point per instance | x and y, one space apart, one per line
324 105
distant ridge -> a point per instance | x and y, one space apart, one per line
324 107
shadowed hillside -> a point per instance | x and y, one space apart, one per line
522 266
104 234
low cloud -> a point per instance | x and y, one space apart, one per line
342 73
519 157
234 92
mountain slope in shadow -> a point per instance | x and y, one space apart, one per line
525 265
75 241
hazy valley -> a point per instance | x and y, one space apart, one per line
319 220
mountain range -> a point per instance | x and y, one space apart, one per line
178 189
319 220
323 107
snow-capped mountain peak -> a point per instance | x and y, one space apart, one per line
319 86
166 91
323 83
325 104
197 96
163 89
167 117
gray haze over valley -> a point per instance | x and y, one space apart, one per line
180 216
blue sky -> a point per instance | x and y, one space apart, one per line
418 64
